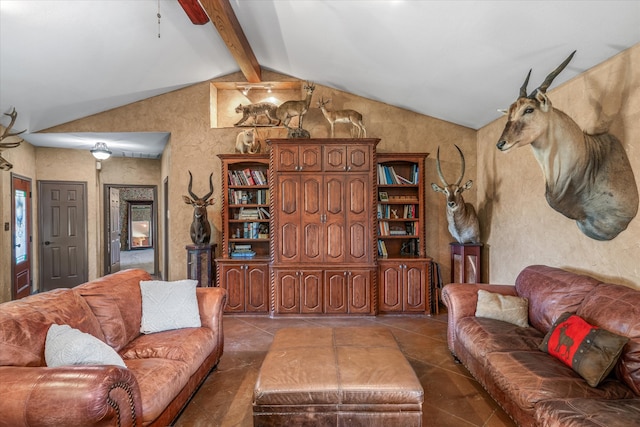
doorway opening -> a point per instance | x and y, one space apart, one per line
131 234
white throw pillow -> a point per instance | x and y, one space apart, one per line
67 346
169 305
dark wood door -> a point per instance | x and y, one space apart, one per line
358 219
391 286
63 234
415 288
288 227
21 236
335 292
311 291
311 219
359 291
114 231
287 287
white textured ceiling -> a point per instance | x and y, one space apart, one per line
454 60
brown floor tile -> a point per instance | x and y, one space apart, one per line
452 396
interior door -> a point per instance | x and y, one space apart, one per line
114 231
21 237
63 234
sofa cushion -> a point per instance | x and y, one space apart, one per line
528 377
616 308
588 413
590 351
169 305
24 324
116 301
191 345
67 346
160 381
481 336
551 292
503 307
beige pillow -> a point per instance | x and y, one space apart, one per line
507 308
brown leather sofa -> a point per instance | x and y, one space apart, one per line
163 370
533 387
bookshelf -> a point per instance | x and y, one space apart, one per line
403 265
243 268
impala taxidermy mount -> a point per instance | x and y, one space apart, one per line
588 177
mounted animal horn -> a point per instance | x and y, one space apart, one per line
210 187
552 75
439 169
523 88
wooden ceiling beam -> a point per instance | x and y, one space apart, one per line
224 19
194 11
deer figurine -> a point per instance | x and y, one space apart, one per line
200 227
461 216
289 109
4 164
343 116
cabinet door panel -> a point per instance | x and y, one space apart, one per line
358 158
358 219
359 292
233 282
415 298
311 220
310 160
335 158
288 218
391 284
287 292
335 237
311 292
257 289
286 158
335 292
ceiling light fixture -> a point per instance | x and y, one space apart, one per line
100 151
245 88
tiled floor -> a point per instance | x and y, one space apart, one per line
452 397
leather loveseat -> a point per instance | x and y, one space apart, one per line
162 371
534 387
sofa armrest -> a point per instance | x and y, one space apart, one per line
69 396
211 303
461 300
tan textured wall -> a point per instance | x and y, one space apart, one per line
519 226
194 146
23 159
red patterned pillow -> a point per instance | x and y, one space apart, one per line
590 351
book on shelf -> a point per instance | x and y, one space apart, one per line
264 213
382 249
241 251
248 213
387 175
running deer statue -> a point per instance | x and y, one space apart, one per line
343 116
588 177
4 164
290 109
461 216
200 227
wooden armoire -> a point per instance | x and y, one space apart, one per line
322 235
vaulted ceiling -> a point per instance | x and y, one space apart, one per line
454 60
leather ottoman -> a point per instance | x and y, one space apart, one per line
355 376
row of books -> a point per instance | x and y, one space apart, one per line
242 251
252 230
247 177
382 249
388 176
243 197
391 212
254 213
396 229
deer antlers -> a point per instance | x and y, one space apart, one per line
4 164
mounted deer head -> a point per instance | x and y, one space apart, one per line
461 216
4 164
595 185
200 227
